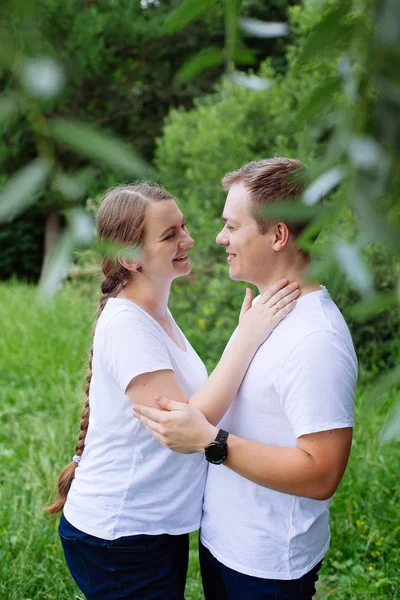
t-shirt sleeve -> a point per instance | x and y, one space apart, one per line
133 348
317 384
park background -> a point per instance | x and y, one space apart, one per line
180 92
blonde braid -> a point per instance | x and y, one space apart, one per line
111 287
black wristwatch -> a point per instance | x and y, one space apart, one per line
217 451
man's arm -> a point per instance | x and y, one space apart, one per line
313 469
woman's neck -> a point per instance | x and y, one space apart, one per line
153 298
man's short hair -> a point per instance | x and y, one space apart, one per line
270 181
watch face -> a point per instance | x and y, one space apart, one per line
216 453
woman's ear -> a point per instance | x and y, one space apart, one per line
281 236
130 265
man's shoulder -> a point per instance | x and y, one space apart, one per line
314 324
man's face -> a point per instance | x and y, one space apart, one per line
250 253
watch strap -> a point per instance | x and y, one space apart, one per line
222 436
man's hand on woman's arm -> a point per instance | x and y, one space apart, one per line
313 469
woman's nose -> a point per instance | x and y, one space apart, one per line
188 241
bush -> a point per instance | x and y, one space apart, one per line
224 131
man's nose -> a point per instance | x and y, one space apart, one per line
222 239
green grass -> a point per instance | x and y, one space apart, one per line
43 351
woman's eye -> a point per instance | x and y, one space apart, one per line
170 236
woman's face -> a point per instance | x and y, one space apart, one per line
166 242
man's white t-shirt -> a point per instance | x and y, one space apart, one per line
301 381
127 483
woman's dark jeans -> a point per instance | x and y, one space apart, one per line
222 583
137 567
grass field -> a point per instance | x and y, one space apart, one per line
43 351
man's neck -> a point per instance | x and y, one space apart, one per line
296 272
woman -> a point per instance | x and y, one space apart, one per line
130 505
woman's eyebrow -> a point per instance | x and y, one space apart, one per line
170 228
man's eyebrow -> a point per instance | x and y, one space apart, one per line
225 219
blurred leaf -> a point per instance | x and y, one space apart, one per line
205 59
230 33
392 429
323 185
365 152
374 224
21 190
42 77
384 385
115 250
73 186
354 266
262 29
99 146
251 82
244 56
292 212
317 101
8 107
57 267
372 305
389 23
328 30
187 12
81 226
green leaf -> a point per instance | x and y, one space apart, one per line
323 185
317 101
392 429
58 265
99 146
8 108
262 29
187 11
251 82
205 59
244 56
327 32
383 386
354 266
230 32
81 226
372 305
296 212
21 190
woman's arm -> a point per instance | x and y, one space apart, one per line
215 396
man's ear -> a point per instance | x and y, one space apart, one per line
281 236
130 265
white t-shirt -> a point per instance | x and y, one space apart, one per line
127 483
301 381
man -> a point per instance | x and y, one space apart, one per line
285 441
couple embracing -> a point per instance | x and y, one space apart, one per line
252 454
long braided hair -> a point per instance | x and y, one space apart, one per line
120 219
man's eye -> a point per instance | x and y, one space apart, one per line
229 227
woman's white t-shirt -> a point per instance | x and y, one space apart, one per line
127 483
